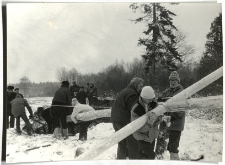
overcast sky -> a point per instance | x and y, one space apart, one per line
87 36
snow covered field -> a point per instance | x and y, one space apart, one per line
200 137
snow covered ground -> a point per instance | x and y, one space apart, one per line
200 137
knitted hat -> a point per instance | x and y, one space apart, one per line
174 76
10 87
147 93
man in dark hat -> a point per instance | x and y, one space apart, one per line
82 96
59 111
10 96
17 90
92 94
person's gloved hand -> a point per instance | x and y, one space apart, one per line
155 113
166 118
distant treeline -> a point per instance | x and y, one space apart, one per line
114 78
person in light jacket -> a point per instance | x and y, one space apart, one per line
18 110
147 134
81 108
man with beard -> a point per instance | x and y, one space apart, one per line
121 116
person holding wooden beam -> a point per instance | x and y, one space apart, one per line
120 117
177 121
147 134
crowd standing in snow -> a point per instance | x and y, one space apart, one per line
131 103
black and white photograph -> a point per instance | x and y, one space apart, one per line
114 81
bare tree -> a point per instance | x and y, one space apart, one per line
61 74
73 75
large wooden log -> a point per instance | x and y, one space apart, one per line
212 102
137 124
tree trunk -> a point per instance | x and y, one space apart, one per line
212 102
138 123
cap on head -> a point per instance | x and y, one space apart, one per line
147 93
65 83
16 89
174 76
10 87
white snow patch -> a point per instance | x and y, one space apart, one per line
200 137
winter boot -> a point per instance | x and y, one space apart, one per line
57 133
65 134
174 156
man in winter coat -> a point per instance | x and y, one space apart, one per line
177 118
17 90
147 134
81 108
92 94
10 96
74 89
82 96
18 110
59 111
46 115
120 117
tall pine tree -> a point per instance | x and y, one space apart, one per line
160 42
212 58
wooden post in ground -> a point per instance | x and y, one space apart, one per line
137 124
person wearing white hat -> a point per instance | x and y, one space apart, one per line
147 134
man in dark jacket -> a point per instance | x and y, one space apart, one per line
82 96
177 118
10 96
74 89
92 94
18 110
121 116
59 111
46 115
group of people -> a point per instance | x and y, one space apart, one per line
16 109
88 96
66 101
133 102
71 101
